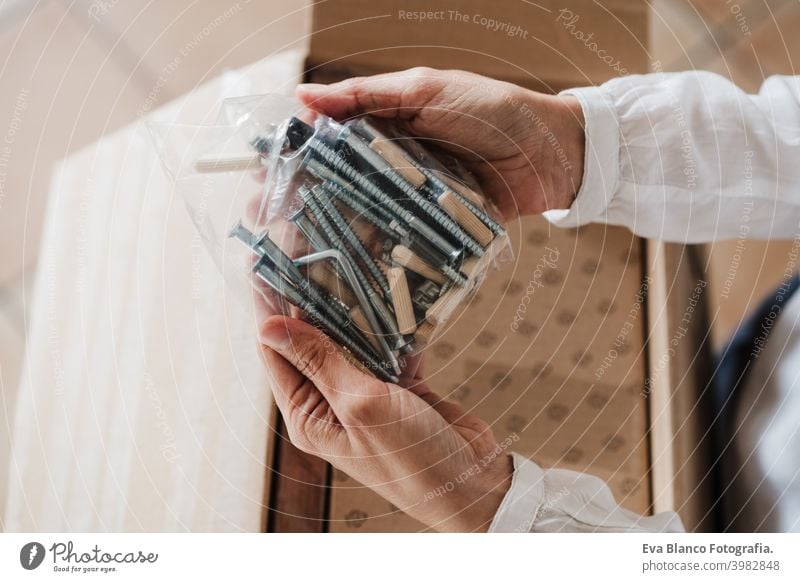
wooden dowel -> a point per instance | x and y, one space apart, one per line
464 216
424 333
396 157
443 307
404 256
401 299
228 163
462 189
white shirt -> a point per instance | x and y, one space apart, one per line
689 157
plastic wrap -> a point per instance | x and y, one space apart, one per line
359 229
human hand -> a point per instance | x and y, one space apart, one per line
423 454
525 148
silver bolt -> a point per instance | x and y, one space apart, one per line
367 129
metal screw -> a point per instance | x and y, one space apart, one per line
370 132
487 220
333 237
286 267
454 275
325 174
316 315
363 300
358 202
271 273
329 157
373 212
336 242
431 210
351 237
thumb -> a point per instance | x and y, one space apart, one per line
318 358
401 95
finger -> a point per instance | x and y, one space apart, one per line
306 414
317 358
290 388
402 94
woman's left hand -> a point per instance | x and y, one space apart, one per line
425 455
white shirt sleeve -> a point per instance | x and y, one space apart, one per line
557 500
689 157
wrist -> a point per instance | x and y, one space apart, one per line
572 131
477 503
554 152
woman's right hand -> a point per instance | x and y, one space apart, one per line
525 148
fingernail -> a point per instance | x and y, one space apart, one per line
310 88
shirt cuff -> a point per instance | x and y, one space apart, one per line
600 163
521 504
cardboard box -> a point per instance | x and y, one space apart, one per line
543 45
574 380
558 385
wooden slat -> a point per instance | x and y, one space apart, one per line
299 496
678 388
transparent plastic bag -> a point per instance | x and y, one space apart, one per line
357 228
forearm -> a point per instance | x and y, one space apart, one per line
689 157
